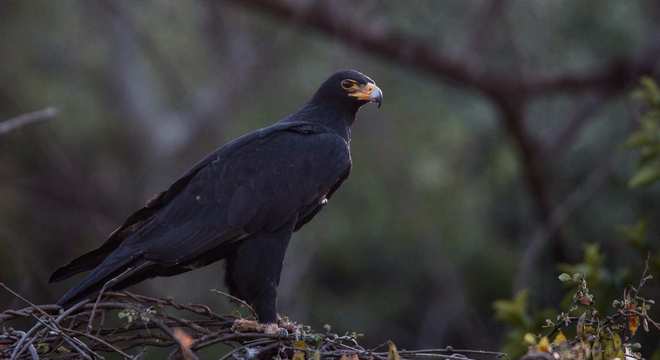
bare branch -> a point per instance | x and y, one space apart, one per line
26 119
579 120
147 321
419 54
572 203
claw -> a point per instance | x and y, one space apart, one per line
288 325
244 325
274 329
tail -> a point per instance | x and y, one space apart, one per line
87 261
83 263
114 273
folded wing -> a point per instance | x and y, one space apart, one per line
258 182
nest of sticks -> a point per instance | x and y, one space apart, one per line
127 324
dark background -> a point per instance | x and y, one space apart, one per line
497 153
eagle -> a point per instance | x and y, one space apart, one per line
241 203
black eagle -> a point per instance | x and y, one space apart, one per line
241 203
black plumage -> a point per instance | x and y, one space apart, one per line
241 203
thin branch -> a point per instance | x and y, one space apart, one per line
237 300
562 213
105 287
420 54
26 119
579 120
148 321
183 348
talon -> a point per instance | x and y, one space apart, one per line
244 325
287 324
274 329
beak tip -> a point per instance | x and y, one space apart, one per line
377 97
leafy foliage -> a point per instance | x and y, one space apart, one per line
646 140
590 327
600 321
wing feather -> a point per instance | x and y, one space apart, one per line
261 187
257 182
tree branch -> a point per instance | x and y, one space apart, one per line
26 119
142 321
419 54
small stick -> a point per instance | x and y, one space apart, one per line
98 339
25 119
109 283
240 301
187 353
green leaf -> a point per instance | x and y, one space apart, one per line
564 277
645 176
514 311
635 234
651 91
638 139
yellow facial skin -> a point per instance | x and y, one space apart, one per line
366 92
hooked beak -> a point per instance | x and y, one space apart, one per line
369 92
376 96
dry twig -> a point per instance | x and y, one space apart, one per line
26 119
148 321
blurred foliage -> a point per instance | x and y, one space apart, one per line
646 139
601 313
587 331
606 284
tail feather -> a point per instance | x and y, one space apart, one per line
82 263
111 267
78 265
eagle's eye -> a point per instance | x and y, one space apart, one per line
347 84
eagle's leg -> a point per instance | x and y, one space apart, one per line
253 274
